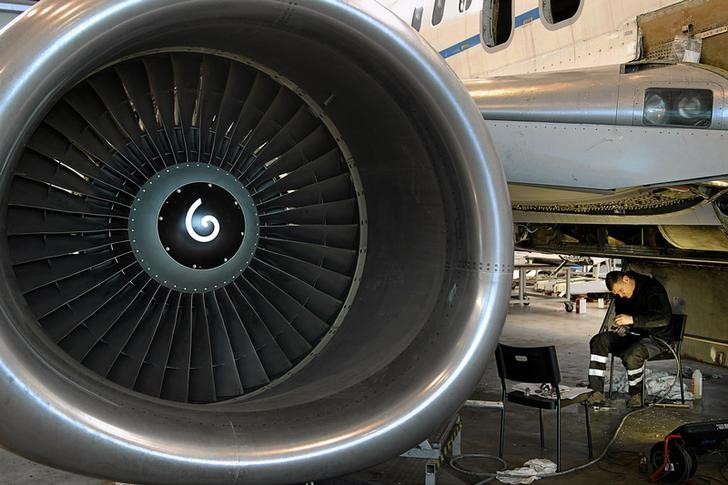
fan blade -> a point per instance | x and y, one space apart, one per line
345 236
109 88
176 384
93 307
108 346
40 273
38 168
336 259
214 73
31 194
239 83
328 190
34 247
127 367
309 325
49 298
23 220
84 101
151 376
257 102
50 143
202 377
274 360
338 212
186 69
330 282
226 374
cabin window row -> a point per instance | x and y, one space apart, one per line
497 16
438 12
498 19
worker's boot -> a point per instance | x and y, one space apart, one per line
634 401
596 399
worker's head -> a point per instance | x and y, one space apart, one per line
620 284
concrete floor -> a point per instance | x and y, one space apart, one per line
546 322
541 323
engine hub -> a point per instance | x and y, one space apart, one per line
206 227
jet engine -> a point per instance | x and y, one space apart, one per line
251 241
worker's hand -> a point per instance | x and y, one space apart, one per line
621 331
621 320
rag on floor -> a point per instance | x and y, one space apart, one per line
532 470
657 382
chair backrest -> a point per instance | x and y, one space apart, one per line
677 322
528 364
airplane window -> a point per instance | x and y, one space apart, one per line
497 21
678 107
438 11
463 5
555 11
417 19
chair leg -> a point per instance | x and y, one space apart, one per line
611 373
682 388
558 435
540 425
588 430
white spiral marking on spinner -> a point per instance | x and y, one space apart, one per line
206 221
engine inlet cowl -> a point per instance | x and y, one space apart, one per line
244 241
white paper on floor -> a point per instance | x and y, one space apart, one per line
657 382
532 470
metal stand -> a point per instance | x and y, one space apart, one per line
523 269
523 295
435 450
446 443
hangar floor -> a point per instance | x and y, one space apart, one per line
543 322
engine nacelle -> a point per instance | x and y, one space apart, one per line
244 241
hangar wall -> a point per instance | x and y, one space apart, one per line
708 19
700 293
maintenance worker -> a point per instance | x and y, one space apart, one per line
643 312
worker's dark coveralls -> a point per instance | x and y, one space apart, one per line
650 308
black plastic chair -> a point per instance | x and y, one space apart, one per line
536 365
678 332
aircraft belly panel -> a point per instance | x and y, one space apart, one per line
606 157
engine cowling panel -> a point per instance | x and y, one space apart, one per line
360 313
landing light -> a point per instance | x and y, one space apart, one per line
678 107
690 107
655 110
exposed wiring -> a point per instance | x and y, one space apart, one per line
526 228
